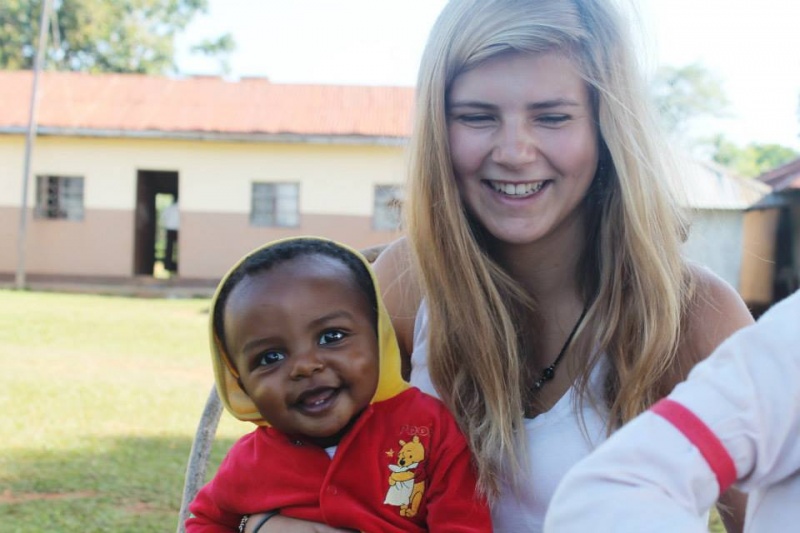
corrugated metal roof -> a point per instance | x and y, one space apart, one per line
709 186
130 102
784 177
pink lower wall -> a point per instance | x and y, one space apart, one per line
102 245
99 245
211 243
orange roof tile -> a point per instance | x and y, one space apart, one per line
131 102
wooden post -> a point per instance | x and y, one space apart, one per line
44 25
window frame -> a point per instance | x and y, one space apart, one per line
59 197
278 216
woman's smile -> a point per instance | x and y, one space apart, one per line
516 190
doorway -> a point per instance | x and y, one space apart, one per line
155 190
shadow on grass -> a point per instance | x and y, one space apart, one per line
114 484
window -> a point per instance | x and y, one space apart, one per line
59 197
388 204
275 204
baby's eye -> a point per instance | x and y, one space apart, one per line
331 336
270 358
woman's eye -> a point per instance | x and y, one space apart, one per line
331 336
552 120
474 119
270 358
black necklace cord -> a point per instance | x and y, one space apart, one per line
550 372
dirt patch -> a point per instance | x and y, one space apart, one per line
138 508
8 497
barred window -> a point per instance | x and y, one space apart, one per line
275 204
59 197
388 206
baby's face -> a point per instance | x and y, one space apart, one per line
302 338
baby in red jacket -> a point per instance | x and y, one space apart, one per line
303 347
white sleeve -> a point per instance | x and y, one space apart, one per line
650 477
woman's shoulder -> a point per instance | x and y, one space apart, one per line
401 290
713 313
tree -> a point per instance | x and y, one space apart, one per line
684 94
220 47
753 159
101 35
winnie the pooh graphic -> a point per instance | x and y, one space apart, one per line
407 480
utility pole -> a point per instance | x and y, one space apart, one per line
23 211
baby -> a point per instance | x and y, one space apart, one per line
303 347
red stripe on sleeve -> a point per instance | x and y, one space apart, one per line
702 438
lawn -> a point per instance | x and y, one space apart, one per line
100 399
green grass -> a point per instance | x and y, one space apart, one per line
100 398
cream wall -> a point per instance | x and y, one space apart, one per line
336 198
334 180
332 177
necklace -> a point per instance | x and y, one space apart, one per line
549 372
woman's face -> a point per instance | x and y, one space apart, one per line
523 144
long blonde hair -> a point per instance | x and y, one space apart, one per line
633 275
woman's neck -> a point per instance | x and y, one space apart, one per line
547 269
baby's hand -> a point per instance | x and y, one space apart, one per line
284 524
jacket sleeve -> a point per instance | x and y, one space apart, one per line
746 400
215 509
453 504
208 517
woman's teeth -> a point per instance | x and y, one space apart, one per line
519 189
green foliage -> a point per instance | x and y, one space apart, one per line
100 399
220 47
683 94
753 159
100 35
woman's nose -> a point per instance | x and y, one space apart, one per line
515 144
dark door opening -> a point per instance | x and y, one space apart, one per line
155 190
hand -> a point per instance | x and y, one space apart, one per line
284 524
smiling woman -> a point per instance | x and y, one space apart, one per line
540 204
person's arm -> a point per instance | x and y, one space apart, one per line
665 469
715 313
208 513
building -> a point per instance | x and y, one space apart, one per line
782 208
248 161
725 234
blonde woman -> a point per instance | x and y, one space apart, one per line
541 291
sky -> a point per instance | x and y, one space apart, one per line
754 51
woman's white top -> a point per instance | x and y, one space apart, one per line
740 422
556 441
